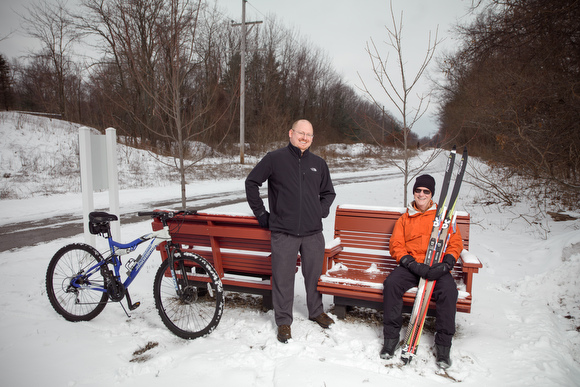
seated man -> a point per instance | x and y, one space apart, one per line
408 245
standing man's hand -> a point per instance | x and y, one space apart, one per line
264 219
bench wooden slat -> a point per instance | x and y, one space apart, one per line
373 298
364 240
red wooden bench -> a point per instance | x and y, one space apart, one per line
357 261
236 245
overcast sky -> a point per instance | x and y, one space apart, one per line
341 28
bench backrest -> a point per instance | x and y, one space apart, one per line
365 233
232 243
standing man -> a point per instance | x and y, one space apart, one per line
300 193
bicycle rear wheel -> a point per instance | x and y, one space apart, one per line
75 303
195 307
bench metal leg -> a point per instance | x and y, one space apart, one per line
340 311
267 303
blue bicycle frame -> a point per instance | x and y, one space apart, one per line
117 250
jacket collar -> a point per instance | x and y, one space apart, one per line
412 210
296 151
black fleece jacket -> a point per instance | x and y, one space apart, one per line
300 190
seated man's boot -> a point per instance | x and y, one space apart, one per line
389 348
443 359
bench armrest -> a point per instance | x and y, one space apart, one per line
331 249
470 261
470 265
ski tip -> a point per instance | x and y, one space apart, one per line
454 148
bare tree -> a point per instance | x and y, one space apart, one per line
54 28
398 88
123 34
166 71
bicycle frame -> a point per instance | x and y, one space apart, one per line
117 250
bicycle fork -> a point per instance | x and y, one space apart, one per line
170 252
170 257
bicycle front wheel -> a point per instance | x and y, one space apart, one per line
192 306
75 303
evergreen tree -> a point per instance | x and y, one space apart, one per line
6 97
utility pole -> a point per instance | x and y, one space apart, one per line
243 78
383 126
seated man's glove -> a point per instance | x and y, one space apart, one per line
264 219
439 269
419 269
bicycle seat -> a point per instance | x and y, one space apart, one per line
101 217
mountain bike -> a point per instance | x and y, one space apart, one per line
188 292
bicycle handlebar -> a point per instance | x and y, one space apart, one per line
147 213
166 214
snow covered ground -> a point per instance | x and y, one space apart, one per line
523 329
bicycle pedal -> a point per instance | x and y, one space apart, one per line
134 306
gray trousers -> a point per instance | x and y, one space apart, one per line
285 249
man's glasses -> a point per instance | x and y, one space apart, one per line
303 134
425 191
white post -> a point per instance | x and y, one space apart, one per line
112 175
86 181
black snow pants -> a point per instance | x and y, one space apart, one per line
444 293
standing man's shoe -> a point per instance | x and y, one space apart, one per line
323 320
284 333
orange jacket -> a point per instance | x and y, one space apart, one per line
412 233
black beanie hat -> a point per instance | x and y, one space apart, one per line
426 181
